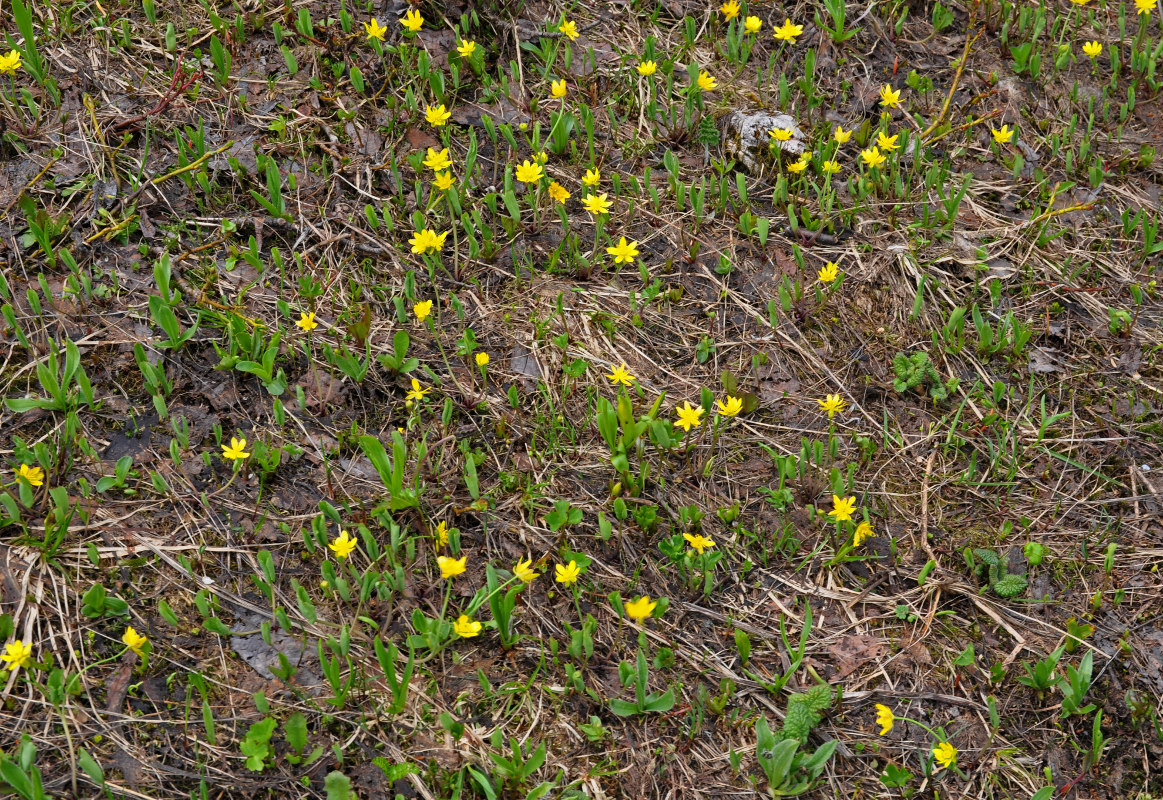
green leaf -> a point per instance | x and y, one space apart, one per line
295 729
337 785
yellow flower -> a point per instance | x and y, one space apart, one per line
416 393
647 68
689 416
621 375
1002 135
17 654
1144 6
557 88
841 135
1080 2
437 115
342 545
752 24
1092 49
412 20
134 641
799 166
307 322
529 172
597 204
945 753
34 475
781 134
830 166
842 508
884 718
706 81
437 162
829 273
623 252
466 48
465 627
788 31
732 408
569 28
730 9
441 530
235 450
698 542
450 567
886 142
422 310
10 63
641 608
567 573
541 158
872 157
558 192
443 181
374 29
833 403
889 98
863 531
524 571
482 359
592 178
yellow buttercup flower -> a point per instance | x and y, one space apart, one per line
842 508
414 394
889 98
623 252
886 142
706 81
466 48
34 475
863 531
443 181
524 571
1080 2
10 63
482 359
781 134
1144 6
422 310
529 172
788 31
557 88
342 545
732 408
442 528
799 166
641 608
412 20
621 375
884 718
872 157
235 450
1002 135
698 542
465 627
451 567
426 240
568 573
17 654
437 115
558 192
374 29
752 25
834 404
730 9
568 28
307 322
945 753
647 68
134 641
597 204
840 135
689 416
1092 49
437 161
592 178
829 272
829 167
